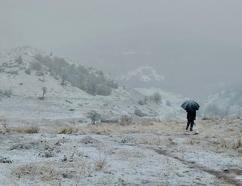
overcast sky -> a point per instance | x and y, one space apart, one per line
195 44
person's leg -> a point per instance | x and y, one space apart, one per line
188 124
191 127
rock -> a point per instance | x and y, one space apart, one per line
64 159
48 154
89 140
180 175
226 170
67 176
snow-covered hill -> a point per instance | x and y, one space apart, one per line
143 77
25 72
225 103
170 103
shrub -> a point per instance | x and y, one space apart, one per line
237 144
69 130
156 98
94 116
141 102
126 120
100 164
6 93
168 103
4 124
14 72
28 71
103 90
36 66
139 113
19 60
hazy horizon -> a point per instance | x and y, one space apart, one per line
196 45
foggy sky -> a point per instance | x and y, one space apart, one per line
195 44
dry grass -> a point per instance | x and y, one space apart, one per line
231 144
52 172
68 130
134 128
101 163
192 142
4 125
237 143
25 130
44 172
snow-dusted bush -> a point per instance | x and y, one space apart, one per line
126 120
142 102
4 126
28 71
156 98
19 60
94 116
35 66
139 113
6 93
168 103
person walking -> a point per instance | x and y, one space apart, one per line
191 117
191 108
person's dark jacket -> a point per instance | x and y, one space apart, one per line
191 115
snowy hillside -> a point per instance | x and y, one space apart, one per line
169 103
143 77
36 85
225 103
28 71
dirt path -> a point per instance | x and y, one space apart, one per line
228 176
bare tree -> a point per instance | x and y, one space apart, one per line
44 91
156 97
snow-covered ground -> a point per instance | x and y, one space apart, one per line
50 141
144 153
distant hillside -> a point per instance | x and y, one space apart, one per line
30 66
142 77
225 103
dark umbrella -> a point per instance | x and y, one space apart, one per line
190 105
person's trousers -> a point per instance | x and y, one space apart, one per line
191 124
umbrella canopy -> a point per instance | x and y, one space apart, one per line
190 105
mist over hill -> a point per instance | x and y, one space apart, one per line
225 103
143 77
